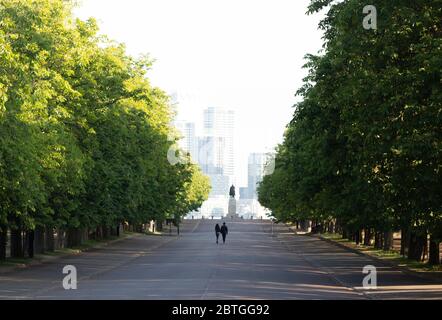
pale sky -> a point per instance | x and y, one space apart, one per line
245 55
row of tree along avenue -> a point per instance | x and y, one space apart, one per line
362 154
84 137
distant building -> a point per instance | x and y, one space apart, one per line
220 185
259 164
210 155
216 149
256 166
219 124
189 141
244 193
253 209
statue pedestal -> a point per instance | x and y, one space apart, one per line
232 208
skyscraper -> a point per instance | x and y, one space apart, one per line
216 149
219 124
256 166
189 141
213 150
259 164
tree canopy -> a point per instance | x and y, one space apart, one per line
84 136
364 145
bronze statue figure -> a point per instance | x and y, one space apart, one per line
232 191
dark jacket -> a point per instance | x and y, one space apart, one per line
224 230
217 229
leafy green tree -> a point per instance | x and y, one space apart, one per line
34 93
84 136
364 144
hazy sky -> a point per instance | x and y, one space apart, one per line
244 55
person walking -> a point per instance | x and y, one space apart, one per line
217 232
224 232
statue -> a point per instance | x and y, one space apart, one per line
232 203
232 191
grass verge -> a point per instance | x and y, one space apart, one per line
89 244
392 256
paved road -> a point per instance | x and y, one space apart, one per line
252 265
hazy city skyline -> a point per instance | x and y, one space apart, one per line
241 55
212 149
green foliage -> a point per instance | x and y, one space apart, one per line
83 134
364 145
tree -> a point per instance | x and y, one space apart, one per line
84 136
364 144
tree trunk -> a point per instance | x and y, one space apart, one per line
93 235
17 243
358 237
30 237
3 241
50 240
85 234
434 258
425 254
61 238
98 233
367 236
106 232
404 242
73 237
39 240
416 246
344 233
377 240
338 226
332 227
159 226
388 241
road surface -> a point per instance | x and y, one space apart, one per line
253 264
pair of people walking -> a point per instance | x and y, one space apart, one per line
221 230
